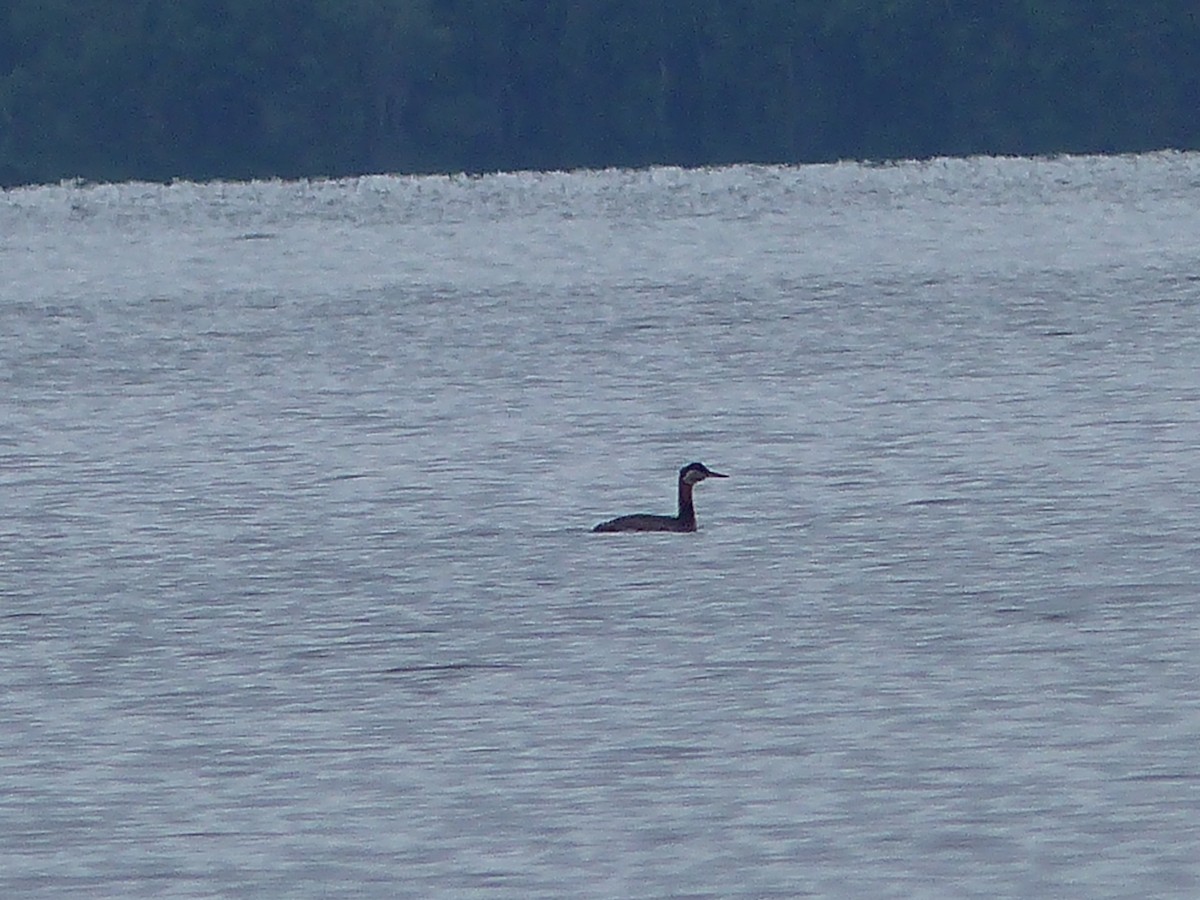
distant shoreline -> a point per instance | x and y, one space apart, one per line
201 91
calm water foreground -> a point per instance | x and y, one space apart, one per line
297 594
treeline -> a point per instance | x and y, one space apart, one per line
161 89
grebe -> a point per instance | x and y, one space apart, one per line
690 475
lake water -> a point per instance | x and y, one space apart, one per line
299 596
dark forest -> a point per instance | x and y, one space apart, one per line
200 89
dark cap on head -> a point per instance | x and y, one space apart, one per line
694 472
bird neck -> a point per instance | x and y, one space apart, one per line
687 512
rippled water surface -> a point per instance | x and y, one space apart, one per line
299 597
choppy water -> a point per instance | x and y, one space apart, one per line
298 594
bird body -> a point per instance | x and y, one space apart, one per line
683 521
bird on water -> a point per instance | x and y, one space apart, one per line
685 520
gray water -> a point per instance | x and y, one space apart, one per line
299 596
